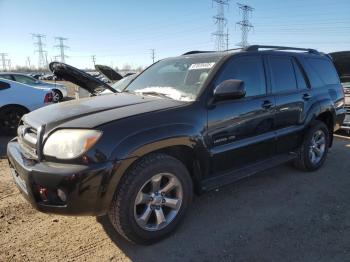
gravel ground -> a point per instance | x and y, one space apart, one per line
278 215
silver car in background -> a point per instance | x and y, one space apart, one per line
59 91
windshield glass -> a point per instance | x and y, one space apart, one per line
177 78
122 83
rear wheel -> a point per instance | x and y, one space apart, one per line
57 96
313 151
151 199
9 119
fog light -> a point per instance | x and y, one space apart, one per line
62 195
44 194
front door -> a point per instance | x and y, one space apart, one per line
240 132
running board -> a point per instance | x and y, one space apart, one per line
235 175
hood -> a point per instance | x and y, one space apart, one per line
95 111
108 72
341 61
79 77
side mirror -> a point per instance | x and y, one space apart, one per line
229 89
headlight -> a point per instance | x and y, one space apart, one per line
70 143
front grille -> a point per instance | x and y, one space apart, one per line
347 108
28 139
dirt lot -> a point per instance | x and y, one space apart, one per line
278 215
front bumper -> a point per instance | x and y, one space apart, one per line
346 123
84 186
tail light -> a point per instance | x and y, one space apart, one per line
48 98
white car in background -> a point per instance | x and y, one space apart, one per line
59 91
17 99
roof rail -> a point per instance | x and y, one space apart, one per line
257 47
196 52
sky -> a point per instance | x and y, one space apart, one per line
124 32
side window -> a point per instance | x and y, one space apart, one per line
325 70
4 85
282 74
249 69
6 77
24 79
300 77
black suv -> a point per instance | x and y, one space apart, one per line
186 124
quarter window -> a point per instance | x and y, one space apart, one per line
282 74
300 77
325 70
249 69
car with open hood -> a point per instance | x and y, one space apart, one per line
185 125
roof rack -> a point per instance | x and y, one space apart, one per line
196 52
257 47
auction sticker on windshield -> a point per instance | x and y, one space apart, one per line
201 66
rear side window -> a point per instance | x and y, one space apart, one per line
300 77
9 77
325 70
282 74
249 69
4 85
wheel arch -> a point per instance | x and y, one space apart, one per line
15 105
327 117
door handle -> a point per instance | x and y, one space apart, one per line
266 104
307 96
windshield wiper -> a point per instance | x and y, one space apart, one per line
152 93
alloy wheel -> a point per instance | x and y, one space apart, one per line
317 146
158 202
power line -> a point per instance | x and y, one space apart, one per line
61 46
220 22
244 24
41 52
3 60
153 55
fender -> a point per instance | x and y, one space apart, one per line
143 142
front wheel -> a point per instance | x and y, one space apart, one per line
151 199
10 117
313 151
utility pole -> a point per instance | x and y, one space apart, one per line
28 62
93 57
220 22
9 64
39 43
3 60
153 55
245 25
227 40
61 46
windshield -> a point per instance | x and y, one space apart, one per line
122 83
177 78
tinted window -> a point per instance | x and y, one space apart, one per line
325 70
4 85
282 74
25 79
300 77
6 77
250 69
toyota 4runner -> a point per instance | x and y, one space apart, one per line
186 124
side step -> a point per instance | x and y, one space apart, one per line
235 175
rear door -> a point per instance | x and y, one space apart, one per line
240 131
292 95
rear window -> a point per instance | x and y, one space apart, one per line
325 70
282 74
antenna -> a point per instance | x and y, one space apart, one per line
244 24
220 22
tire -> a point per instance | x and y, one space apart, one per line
305 156
124 212
57 96
10 117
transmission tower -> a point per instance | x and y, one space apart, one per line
61 47
153 56
245 25
93 57
4 61
41 52
220 21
